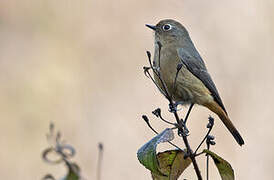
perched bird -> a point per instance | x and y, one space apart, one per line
191 84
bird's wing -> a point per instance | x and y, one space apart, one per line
196 66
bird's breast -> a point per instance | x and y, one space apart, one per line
183 87
167 64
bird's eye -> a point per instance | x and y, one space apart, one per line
167 27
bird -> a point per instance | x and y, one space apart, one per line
191 84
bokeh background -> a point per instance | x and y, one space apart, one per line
79 64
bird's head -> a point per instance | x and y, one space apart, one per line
169 31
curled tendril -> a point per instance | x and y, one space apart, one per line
57 147
48 177
63 152
45 156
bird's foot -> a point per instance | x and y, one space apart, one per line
172 108
175 107
155 68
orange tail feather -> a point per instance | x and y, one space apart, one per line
227 122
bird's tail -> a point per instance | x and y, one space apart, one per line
213 106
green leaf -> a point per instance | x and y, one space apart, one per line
172 163
147 153
224 168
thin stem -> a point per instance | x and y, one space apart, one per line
203 140
157 113
179 67
100 157
157 73
149 125
207 136
146 70
207 164
174 124
196 155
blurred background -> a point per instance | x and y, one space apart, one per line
79 64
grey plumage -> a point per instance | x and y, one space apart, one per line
197 67
193 85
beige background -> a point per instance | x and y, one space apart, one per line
79 65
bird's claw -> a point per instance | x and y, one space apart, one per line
172 108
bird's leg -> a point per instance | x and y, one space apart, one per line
185 129
174 107
188 112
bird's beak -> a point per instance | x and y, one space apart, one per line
151 27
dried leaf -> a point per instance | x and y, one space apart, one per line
172 163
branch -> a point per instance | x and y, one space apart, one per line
181 125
